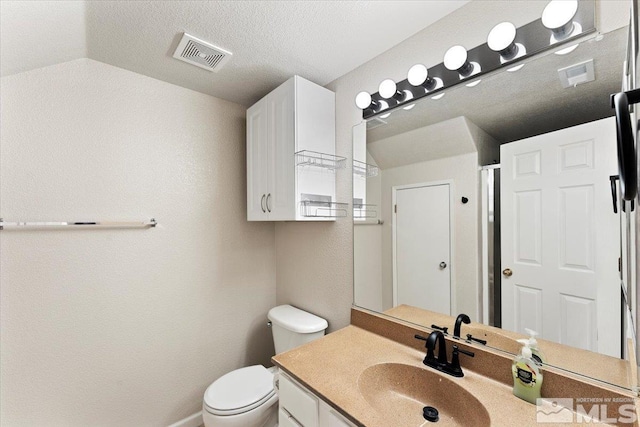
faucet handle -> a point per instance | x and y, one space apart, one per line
430 354
455 368
478 340
457 350
440 328
420 337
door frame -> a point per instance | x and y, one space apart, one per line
452 284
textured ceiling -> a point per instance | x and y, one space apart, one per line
270 40
514 105
35 34
444 139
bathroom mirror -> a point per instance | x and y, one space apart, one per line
440 160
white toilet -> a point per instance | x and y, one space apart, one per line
246 397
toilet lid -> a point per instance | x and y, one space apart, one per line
240 390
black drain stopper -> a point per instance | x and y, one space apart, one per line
430 414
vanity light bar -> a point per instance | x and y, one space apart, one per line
529 40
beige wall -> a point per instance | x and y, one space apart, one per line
125 327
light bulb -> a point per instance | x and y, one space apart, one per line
558 17
567 50
387 88
455 58
363 100
502 39
417 75
501 36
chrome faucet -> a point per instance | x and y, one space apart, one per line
441 363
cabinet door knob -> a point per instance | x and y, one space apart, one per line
268 200
262 203
507 272
443 265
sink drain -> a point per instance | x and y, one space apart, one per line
430 413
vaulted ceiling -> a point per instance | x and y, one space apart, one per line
270 40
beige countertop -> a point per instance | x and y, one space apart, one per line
332 366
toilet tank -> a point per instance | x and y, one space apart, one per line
292 327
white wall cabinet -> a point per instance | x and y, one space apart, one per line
299 407
291 158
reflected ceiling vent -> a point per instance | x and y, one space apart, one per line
201 54
374 123
577 74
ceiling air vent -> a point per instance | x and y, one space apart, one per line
201 54
577 74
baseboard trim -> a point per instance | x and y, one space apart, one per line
194 420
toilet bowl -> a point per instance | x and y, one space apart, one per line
242 398
246 397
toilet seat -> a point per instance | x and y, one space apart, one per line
239 391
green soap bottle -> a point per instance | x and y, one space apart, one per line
527 377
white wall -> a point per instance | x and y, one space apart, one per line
124 327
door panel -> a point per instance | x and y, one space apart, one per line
577 228
578 322
257 157
528 222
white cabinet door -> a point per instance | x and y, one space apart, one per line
560 237
329 417
298 401
257 158
281 179
286 420
300 407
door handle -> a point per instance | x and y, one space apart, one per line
443 265
262 203
507 272
614 192
268 199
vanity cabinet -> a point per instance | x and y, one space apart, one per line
291 158
301 408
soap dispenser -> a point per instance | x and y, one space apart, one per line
536 353
527 377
